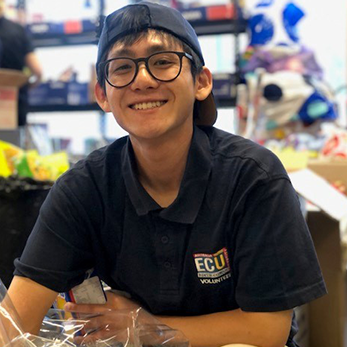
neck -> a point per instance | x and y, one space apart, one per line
161 166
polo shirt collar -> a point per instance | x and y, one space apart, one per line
193 186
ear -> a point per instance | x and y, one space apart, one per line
101 98
203 84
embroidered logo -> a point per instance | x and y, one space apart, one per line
213 268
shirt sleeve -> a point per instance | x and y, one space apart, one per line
58 251
28 46
275 261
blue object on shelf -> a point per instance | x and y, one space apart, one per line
59 93
291 16
262 29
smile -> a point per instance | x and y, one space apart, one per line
147 105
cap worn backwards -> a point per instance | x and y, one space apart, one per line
157 17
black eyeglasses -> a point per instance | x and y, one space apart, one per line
162 66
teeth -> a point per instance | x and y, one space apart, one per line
147 105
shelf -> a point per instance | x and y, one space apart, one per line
216 19
225 103
64 108
79 32
87 38
231 26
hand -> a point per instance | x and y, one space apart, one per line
105 321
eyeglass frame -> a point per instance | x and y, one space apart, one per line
136 61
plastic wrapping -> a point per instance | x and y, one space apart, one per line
10 327
113 328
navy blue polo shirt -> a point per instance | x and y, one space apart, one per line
233 238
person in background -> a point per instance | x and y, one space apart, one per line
200 227
17 53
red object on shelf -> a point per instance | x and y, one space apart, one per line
73 27
221 12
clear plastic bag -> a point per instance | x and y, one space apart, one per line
113 328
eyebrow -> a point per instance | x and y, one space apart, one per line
126 52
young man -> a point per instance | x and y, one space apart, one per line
200 227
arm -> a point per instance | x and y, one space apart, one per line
262 329
32 62
32 301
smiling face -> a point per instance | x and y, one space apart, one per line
149 109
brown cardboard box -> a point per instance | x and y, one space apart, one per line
328 315
10 81
333 169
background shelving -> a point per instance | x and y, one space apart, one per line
72 33
219 38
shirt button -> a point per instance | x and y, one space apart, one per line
164 239
167 264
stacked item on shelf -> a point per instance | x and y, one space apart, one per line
66 90
207 12
53 27
300 150
16 162
49 21
203 10
284 90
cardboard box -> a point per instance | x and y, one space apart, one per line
332 169
328 227
327 315
10 81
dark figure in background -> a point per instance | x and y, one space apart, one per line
17 52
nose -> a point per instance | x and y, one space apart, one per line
143 79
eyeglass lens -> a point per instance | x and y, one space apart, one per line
164 66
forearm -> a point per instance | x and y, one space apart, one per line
218 329
32 62
261 329
31 301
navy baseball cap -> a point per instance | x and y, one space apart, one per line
163 18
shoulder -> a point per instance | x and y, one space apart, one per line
241 152
11 25
97 165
